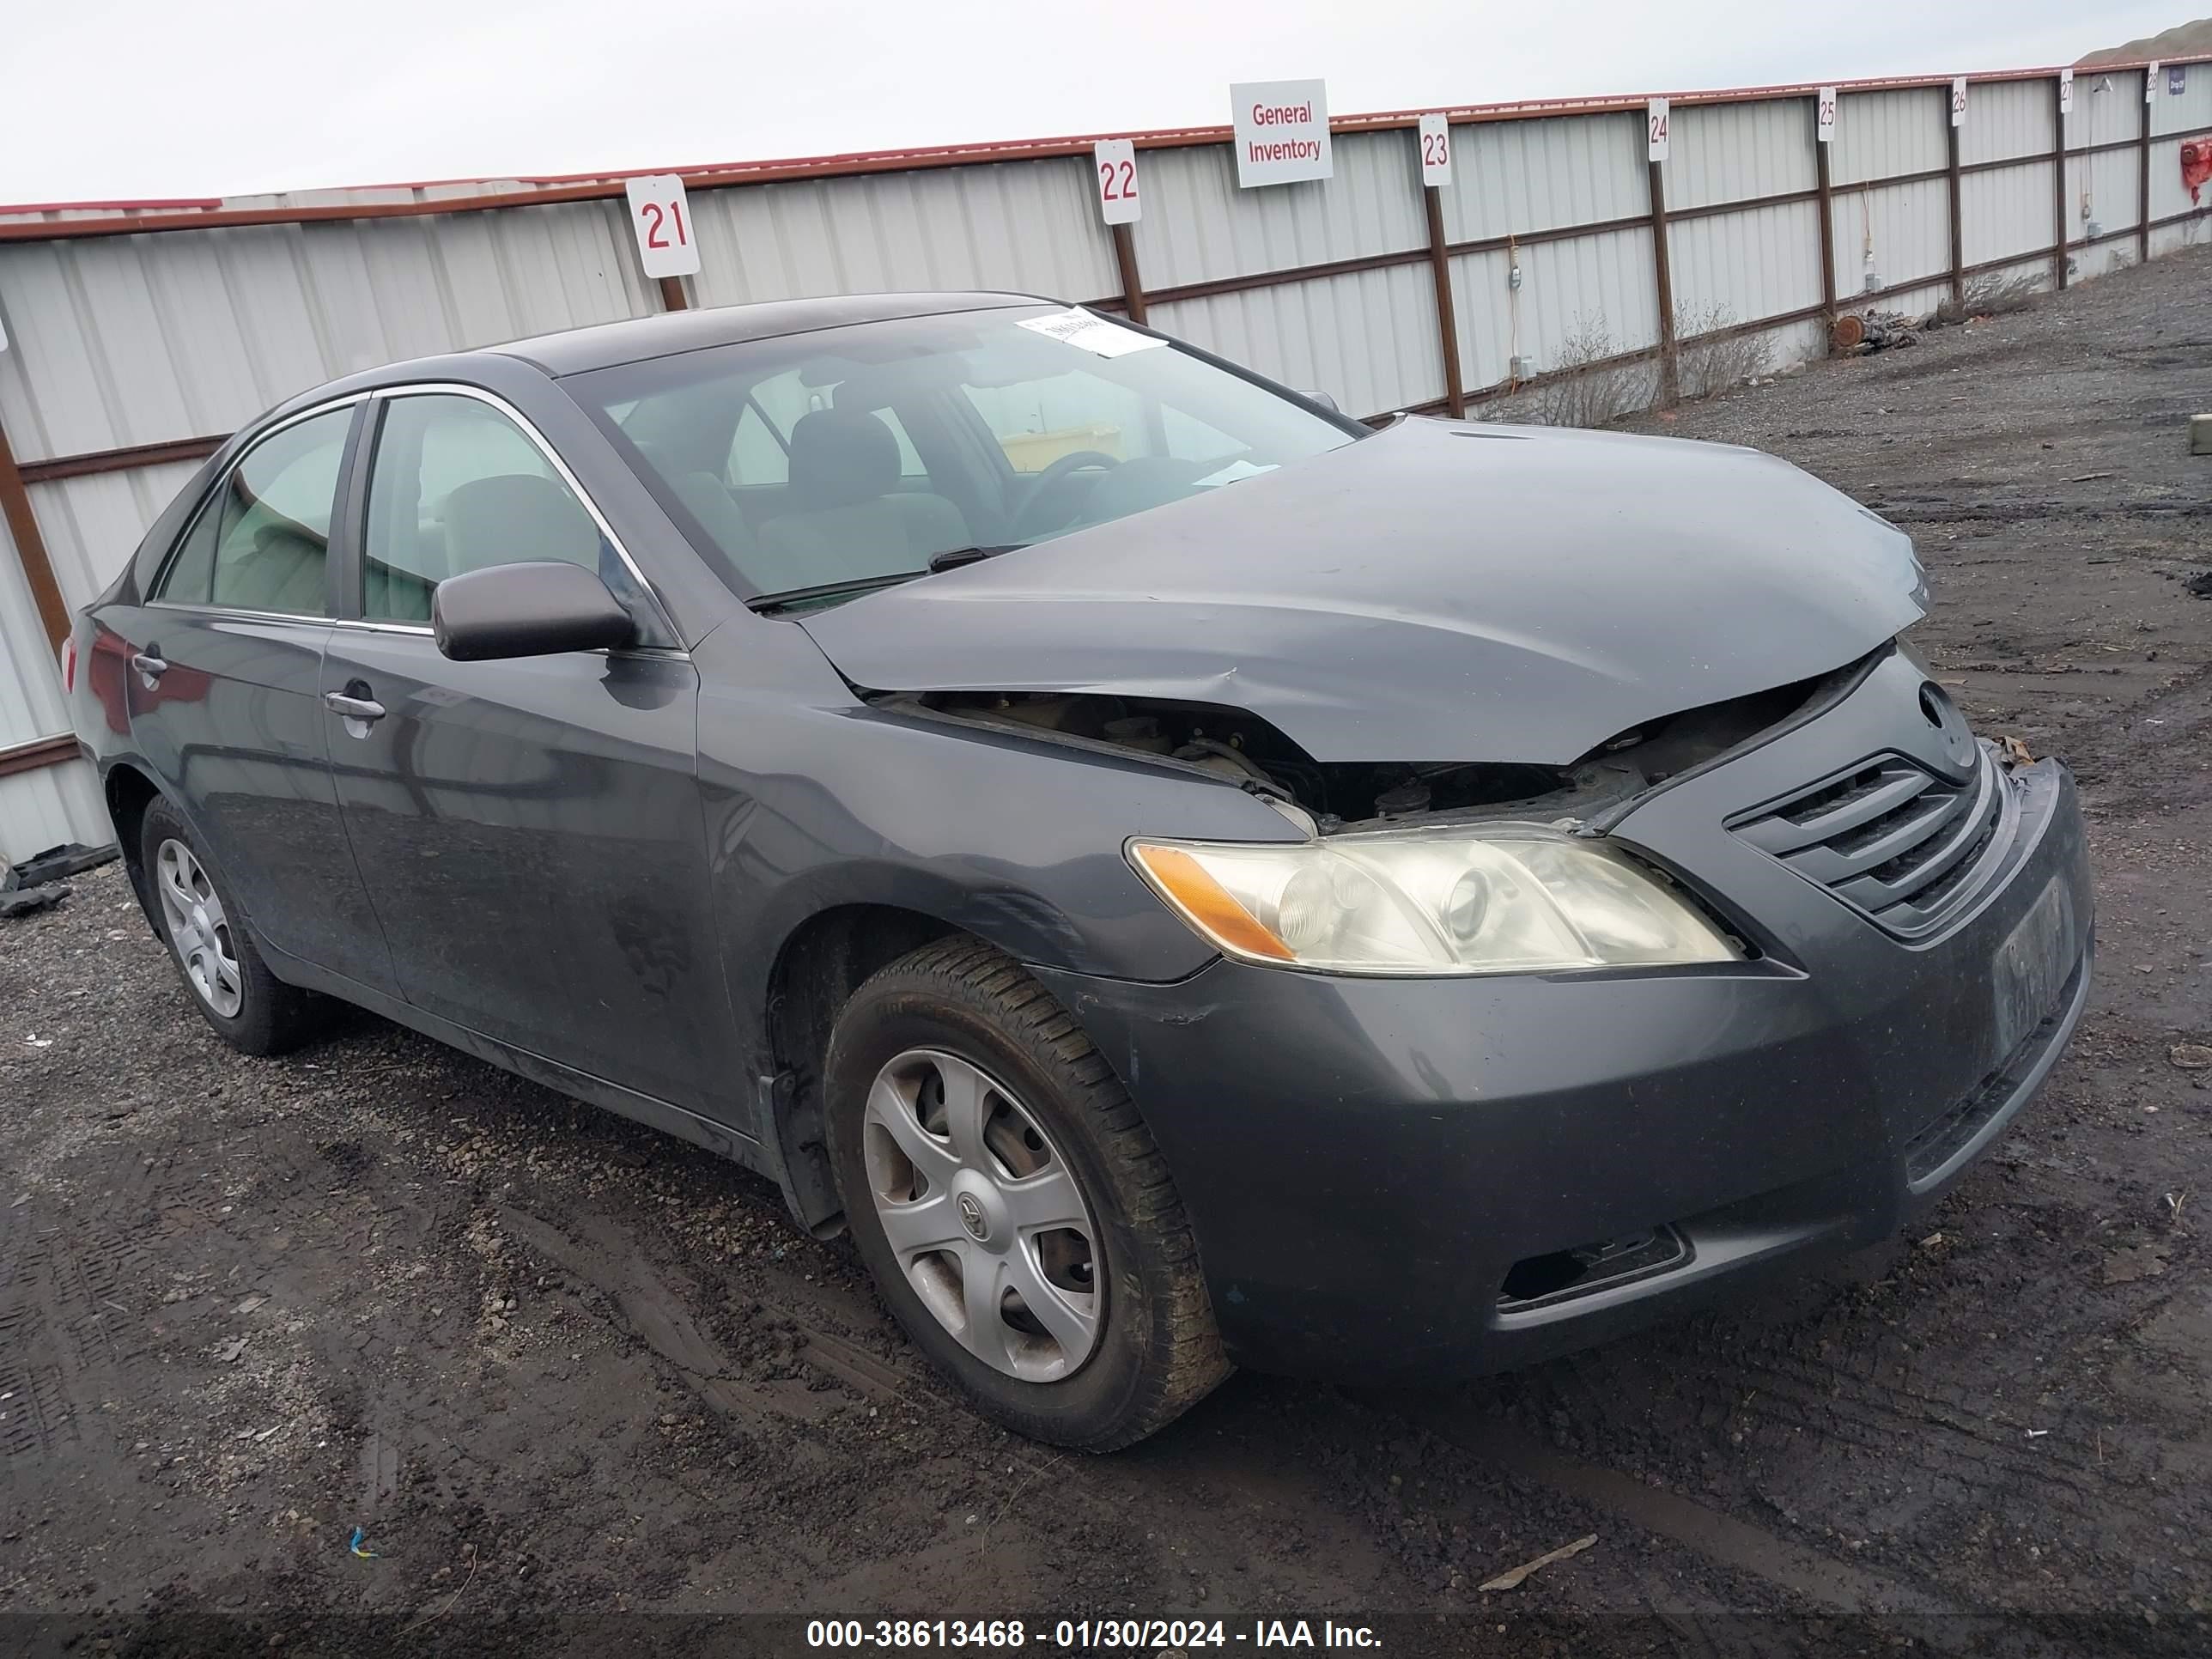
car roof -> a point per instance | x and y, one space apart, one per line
575 350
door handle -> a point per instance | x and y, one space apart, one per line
150 668
360 713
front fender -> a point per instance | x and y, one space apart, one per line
815 799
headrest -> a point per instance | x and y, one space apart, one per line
841 456
515 517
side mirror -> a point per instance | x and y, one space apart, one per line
537 610
1323 399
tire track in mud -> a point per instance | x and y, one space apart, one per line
658 1315
1739 1546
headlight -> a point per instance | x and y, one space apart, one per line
1507 898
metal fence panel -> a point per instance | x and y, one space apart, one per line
1739 267
2191 109
1907 227
1029 227
2008 119
1519 176
1369 339
1585 296
1881 134
1198 227
1729 152
2004 211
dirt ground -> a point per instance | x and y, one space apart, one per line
572 1388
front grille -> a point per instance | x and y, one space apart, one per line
1889 836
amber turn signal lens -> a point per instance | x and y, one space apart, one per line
1186 883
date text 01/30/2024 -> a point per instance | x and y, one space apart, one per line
1086 1635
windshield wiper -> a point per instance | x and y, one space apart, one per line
798 595
954 558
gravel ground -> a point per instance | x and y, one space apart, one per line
562 1374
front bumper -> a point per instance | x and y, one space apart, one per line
1366 1161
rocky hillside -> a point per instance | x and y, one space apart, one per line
2183 41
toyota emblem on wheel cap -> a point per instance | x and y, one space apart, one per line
971 1216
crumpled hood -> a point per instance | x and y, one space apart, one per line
1438 592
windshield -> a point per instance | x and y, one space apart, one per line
858 455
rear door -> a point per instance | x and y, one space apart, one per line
222 690
531 830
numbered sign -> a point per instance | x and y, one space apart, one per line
1824 116
1958 102
2066 92
2150 82
660 219
1114 169
1436 150
1655 130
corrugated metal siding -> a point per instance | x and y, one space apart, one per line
1880 133
1729 152
49 807
146 339
1910 228
2107 185
92 524
1027 226
1198 226
1513 176
55 804
2102 114
1368 339
2007 210
2191 109
2006 120
1738 267
1588 288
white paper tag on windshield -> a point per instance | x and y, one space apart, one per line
1092 334
1234 472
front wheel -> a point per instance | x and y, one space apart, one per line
1010 1202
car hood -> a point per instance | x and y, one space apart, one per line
1441 591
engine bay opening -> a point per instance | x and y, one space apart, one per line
1240 746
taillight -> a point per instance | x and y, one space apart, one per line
69 663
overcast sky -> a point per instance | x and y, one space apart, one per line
111 98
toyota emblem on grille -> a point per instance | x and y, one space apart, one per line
971 1216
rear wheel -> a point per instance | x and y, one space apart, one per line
250 1008
1010 1204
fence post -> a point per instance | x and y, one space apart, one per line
2143 175
1447 316
2057 189
1133 285
1824 187
1958 234
1670 381
31 547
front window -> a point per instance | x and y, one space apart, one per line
842 457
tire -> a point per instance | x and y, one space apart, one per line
1154 1350
250 1008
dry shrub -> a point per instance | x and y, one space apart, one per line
1707 361
1581 389
1994 295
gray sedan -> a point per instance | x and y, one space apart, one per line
1183 879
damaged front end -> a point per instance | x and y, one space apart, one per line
1333 796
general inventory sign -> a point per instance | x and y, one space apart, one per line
1282 131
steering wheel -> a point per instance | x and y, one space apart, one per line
1074 461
